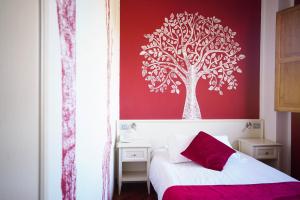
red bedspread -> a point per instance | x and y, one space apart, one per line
268 191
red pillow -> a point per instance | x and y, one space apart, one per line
208 151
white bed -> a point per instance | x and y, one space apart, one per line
239 169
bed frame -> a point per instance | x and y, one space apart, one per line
157 132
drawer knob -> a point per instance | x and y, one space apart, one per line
266 153
134 155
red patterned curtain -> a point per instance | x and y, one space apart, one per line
66 11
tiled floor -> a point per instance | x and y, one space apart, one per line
134 191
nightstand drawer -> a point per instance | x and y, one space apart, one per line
134 154
265 153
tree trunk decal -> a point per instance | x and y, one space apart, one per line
187 48
66 11
191 107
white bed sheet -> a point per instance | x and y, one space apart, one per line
239 169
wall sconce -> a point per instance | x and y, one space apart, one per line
248 125
133 126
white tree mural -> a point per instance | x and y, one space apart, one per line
187 48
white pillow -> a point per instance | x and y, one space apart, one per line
179 142
223 139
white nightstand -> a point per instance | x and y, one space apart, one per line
261 149
134 162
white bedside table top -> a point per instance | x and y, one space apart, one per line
138 143
259 141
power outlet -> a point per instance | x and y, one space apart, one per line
124 126
256 125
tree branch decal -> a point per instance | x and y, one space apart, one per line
186 48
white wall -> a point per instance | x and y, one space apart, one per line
277 124
284 118
19 100
115 78
267 66
91 97
52 98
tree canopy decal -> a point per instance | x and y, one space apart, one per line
187 48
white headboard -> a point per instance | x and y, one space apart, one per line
157 132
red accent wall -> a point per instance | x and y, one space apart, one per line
295 162
140 17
